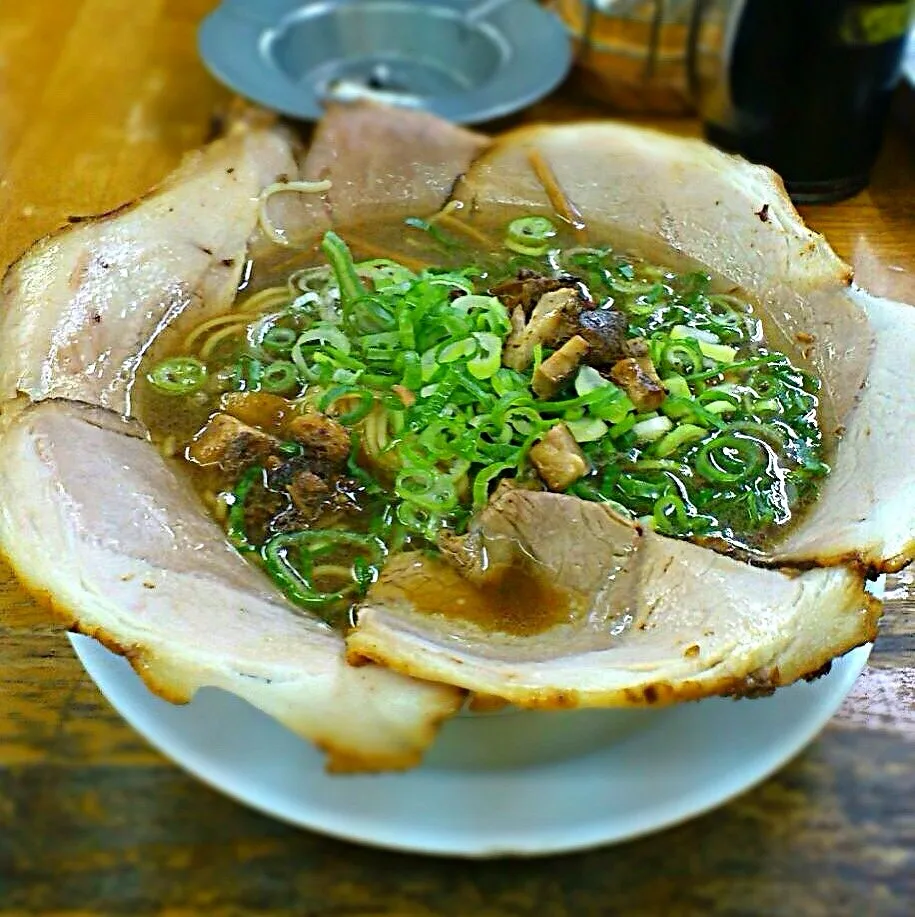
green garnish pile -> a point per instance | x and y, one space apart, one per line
732 449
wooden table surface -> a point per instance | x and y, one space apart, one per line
98 99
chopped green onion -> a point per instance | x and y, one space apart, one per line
483 480
682 357
419 520
465 347
426 488
278 340
236 527
530 235
354 414
433 231
588 379
647 431
677 386
728 458
385 273
679 332
670 515
722 353
356 470
587 430
364 574
178 376
325 333
290 557
489 359
341 262
679 436
279 377
721 407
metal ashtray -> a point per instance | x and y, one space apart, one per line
465 60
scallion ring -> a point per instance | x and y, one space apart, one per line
530 235
237 527
178 376
426 488
729 458
289 559
278 340
670 515
279 377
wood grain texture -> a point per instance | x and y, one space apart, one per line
98 100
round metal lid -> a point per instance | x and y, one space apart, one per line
464 60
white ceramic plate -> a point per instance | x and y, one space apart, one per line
589 778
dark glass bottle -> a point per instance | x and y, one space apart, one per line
810 83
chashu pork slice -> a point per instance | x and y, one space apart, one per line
734 219
95 523
643 619
81 307
377 163
865 512
387 163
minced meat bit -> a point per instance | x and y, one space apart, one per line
307 491
558 458
231 444
605 331
559 367
321 437
525 291
554 313
639 382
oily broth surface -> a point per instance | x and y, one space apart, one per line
173 421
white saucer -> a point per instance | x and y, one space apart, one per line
624 774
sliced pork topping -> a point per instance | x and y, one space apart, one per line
866 510
635 618
381 165
82 307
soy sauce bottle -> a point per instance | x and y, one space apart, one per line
809 85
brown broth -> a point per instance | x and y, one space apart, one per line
516 599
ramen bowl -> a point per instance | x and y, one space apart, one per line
507 784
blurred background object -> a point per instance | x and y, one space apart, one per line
632 54
803 86
465 60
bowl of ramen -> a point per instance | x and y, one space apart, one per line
581 417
